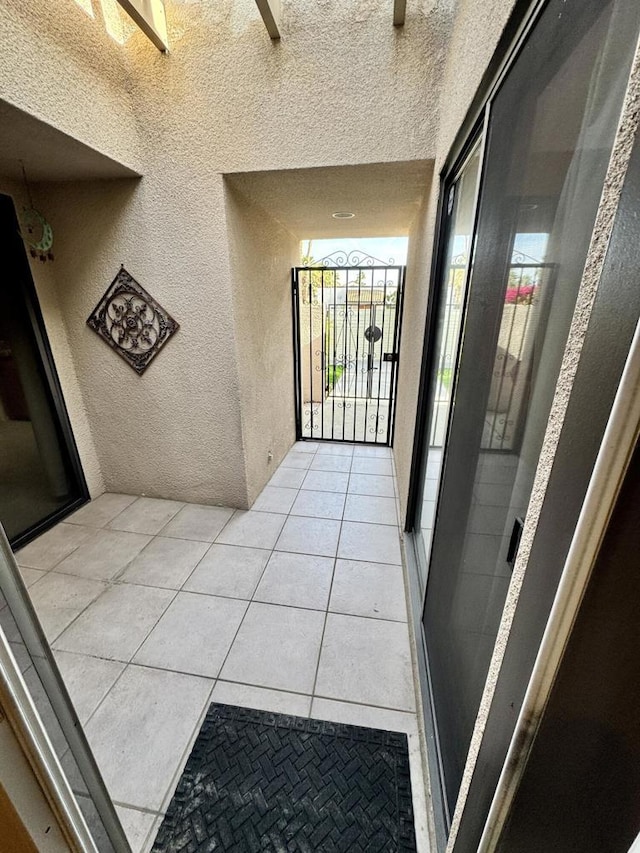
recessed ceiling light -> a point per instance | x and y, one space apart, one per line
343 215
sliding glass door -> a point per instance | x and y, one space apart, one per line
39 472
461 198
499 340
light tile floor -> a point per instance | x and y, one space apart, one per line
155 608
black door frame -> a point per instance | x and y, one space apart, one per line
23 280
477 136
521 21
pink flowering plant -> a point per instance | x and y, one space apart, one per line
520 295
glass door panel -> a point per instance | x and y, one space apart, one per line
37 476
550 133
460 213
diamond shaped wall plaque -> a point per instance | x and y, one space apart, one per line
131 321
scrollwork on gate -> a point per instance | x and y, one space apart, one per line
351 259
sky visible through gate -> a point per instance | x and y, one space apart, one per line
386 249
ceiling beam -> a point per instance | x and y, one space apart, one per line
149 15
270 11
399 12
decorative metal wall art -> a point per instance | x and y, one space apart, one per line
131 321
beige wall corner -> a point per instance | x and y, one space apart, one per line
224 100
44 279
413 320
60 65
477 28
262 253
174 432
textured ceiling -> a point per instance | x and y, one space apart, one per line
49 154
385 197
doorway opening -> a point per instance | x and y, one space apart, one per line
39 467
347 320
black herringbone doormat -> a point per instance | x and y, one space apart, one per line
265 782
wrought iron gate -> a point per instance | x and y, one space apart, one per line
347 318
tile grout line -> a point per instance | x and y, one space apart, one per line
135 808
148 839
110 583
117 580
128 663
326 614
191 573
166 799
250 600
93 531
313 455
218 680
184 757
139 498
234 510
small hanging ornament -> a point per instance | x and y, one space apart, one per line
36 232
39 234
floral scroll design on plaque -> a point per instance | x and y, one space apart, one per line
131 321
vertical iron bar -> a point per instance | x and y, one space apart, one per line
350 352
381 342
369 360
333 398
356 401
344 360
396 351
310 356
295 328
323 353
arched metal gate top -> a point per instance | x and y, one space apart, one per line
349 260
347 313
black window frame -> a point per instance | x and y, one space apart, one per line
53 389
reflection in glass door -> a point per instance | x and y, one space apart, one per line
460 213
38 474
550 132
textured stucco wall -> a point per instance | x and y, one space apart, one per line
262 253
343 86
59 64
476 31
174 432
